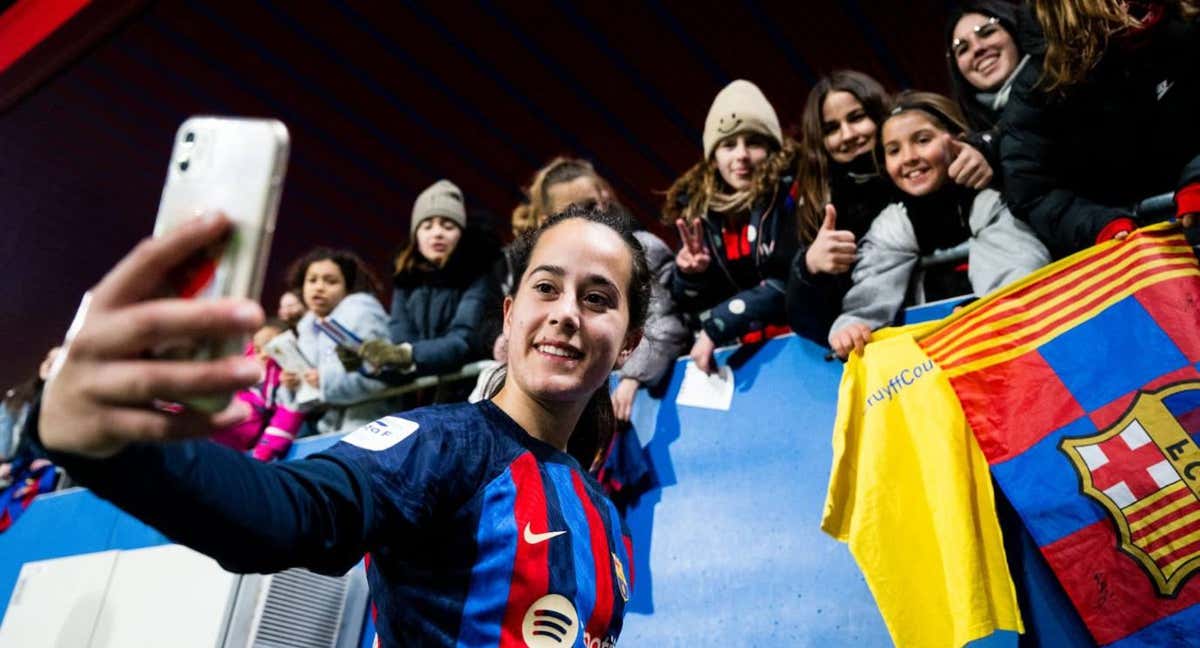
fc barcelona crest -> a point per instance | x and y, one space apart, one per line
622 584
1145 471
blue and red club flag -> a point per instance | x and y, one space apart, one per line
1081 385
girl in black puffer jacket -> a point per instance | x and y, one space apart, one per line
1104 116
443 290
983 57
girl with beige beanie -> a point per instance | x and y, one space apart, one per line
736 216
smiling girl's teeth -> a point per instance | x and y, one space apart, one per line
557 351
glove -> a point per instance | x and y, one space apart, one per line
382 353
350 360
1187 204
1117 226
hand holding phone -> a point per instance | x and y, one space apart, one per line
104 393
235 166
106 389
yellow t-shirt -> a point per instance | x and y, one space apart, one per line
910 493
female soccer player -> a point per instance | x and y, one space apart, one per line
483 531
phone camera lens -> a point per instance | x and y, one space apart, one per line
189 137
184 164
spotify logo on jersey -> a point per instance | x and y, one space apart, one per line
550 621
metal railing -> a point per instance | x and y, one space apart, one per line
468 371
1155 208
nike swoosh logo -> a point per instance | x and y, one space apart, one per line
535 538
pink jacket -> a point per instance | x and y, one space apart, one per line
270 427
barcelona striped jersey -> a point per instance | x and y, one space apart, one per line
481 535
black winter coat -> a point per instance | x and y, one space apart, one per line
1075 162
729 309
814 301
440 311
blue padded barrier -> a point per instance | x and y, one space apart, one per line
728 549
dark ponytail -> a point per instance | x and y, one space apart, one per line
597 424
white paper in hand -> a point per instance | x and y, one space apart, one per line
708 391
285 349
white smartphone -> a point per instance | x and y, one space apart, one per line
234 166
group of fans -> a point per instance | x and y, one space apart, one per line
884 201
1065 115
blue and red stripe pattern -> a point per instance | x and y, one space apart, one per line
1081 383
530 579
496 539
488 537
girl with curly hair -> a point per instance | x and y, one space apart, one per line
736 216
336 286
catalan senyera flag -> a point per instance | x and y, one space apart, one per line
1081 385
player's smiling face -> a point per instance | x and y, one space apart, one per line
567 324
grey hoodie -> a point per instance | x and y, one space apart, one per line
1002 250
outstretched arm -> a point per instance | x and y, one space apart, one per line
249 516
101 418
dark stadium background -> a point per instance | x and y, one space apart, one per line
381 99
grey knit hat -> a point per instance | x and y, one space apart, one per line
740 107
442 198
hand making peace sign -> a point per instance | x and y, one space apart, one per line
693 257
